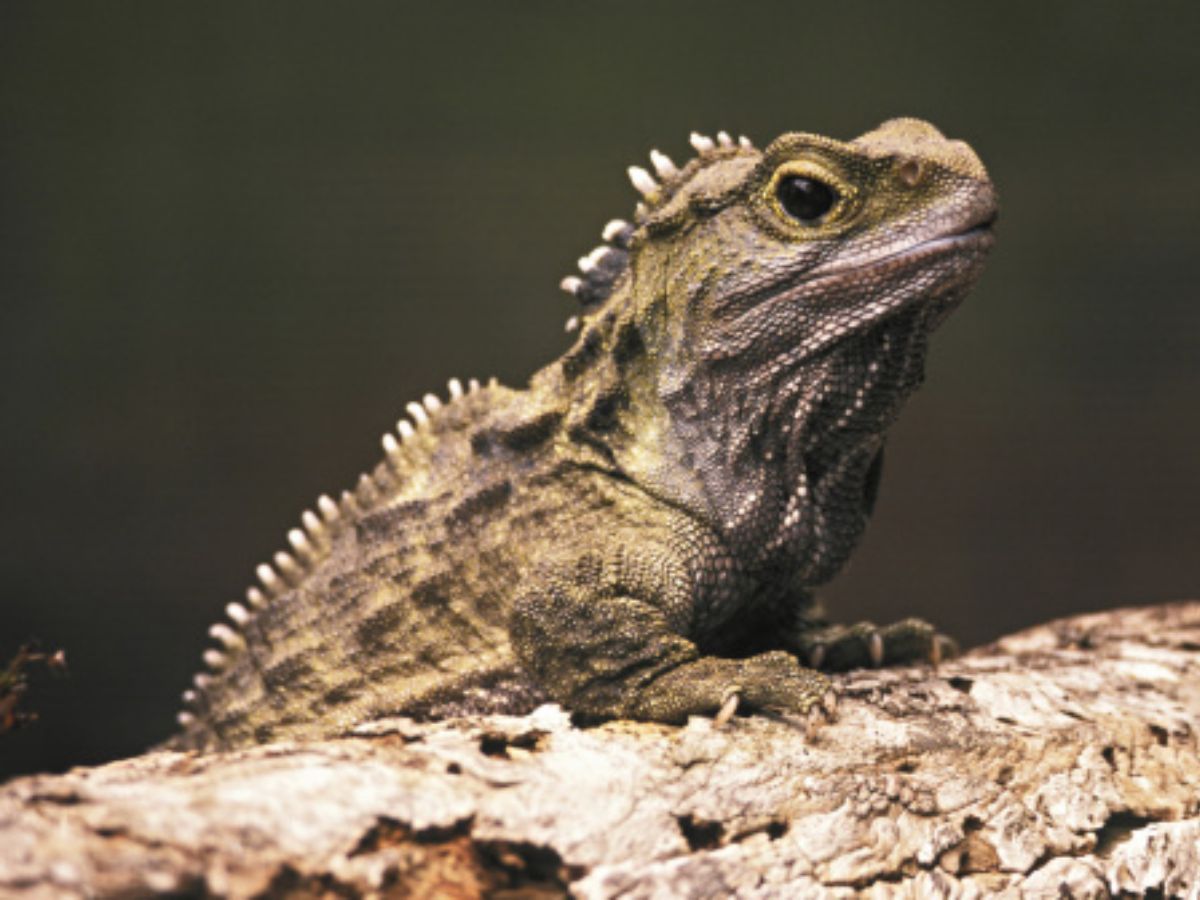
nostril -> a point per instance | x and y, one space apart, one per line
909 172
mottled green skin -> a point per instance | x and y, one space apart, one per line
637 533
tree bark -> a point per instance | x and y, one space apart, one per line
1061 761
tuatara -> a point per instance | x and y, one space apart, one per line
638 532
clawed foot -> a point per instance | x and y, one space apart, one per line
774 683
836 648
803 693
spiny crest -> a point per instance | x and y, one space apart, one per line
312 541
602 267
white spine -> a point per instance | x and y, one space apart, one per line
214 659
417 411
593 259
301 545
642 180
701 143
288 567
724 139
270 581
238 614
613 229
255 598
431 403
663 164
226 636
328 508
312 525
406 430
455 387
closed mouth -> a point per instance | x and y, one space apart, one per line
976 237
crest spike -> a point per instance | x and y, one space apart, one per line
663 164
593 259
270 581
312 524
613 229
744 143
643 181
238 614
724 139
571 284
406 430
328 508
288 567
226 636
417 411
700 142
455 387
364 491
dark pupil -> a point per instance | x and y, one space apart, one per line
805 198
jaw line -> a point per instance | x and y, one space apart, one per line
975 240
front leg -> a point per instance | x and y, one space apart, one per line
837 648
606 655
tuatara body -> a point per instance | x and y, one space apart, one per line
637 533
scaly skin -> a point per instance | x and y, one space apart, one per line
637 534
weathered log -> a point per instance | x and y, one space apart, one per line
1061 761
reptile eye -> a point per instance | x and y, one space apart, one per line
805 199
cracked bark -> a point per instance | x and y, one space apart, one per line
1061 761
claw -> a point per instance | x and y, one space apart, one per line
942 648
829 703
875 649
816 656
728 708
813 722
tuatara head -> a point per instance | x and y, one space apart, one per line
812 239
780 301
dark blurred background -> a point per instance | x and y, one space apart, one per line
235 240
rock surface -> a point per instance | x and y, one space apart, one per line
1061 761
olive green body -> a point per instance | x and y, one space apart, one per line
638 532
